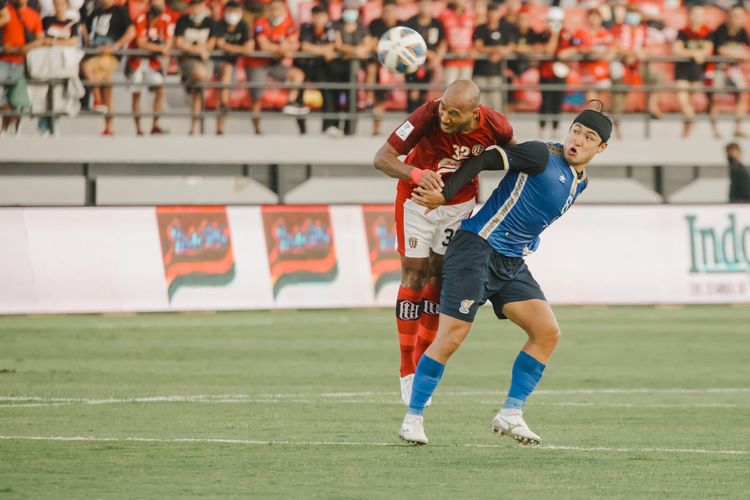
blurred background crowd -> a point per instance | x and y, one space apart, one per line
639 56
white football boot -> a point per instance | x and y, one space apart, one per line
515 427
406 383
412 429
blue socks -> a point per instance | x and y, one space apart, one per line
526 374
426 378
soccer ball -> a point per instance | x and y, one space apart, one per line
402 50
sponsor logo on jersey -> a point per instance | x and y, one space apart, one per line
465 305
562 179
300 245
196 246
405 130
380 227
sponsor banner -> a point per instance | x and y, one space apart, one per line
300 245
215 258
380 229
196 247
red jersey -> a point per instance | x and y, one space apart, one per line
276 34
459 33
597 42
12 34
159 30
430 148
566 40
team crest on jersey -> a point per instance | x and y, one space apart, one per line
465 305
477 150
412 242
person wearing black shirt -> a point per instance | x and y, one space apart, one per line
59 30
195 36
319 38
433 33
739 176
731 40
233 37
377 28
352 43
110 29
694 42
491 42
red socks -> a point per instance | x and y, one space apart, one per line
408 307
428 323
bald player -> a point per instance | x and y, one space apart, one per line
436 139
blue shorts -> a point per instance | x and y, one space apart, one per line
473 272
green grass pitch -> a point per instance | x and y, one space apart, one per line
638 402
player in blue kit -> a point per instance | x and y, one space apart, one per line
485 262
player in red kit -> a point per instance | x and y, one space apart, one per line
436 139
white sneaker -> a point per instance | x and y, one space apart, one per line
334 132
295 110
515 427
406 383
412 429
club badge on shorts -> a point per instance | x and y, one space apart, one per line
412 242
465 305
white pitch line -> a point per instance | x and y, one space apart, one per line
253 442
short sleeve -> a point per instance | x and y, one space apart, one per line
408 134
179 29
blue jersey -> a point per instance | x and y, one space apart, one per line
523 205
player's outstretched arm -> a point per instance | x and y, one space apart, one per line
386 160
529 157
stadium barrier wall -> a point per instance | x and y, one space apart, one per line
55 260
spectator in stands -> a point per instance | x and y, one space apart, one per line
739 176
693 42
195 36
459 24
433 33
599 49
110 30
233 37
22 31
276 33
490 42
60 29
154 32
559 44
513 9
731 40
353 43
528 42
387 20
319 38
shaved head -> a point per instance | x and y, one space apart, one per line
462 95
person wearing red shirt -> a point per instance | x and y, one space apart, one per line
459 25
559 43
276 33
17 23
600 49
154 31
436 139
694 42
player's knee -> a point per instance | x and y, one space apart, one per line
413 277
549 334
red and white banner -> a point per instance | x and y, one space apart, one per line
222 258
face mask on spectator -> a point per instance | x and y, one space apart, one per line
156 10
277 21
233 18
632 18
198 17
350 16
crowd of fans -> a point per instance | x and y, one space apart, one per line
602 51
